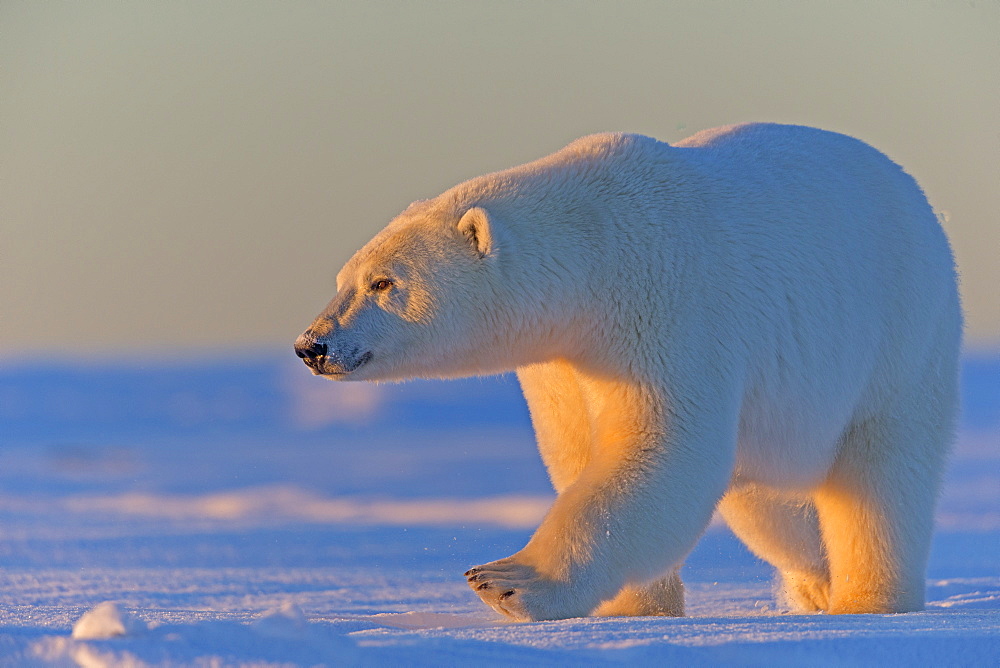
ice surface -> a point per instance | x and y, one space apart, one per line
259 516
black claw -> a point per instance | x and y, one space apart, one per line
471 571
485 585
506 594
474 577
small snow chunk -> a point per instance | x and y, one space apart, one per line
106 620
288 622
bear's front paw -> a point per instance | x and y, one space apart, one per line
505 586
518 591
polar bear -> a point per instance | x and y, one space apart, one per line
761 319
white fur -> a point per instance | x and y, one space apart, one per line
762 319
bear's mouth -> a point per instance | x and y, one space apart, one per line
334 365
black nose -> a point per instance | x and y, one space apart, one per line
309 349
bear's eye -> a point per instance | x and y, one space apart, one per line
381 285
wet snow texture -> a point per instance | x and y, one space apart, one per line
202 514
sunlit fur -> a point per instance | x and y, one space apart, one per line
761 319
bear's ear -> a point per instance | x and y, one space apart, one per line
475 226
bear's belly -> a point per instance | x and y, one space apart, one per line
786 452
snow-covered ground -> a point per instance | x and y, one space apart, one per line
246 513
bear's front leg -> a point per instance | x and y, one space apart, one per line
634 513
596 539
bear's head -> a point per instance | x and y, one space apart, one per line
421 299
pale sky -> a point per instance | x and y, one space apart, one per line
181 175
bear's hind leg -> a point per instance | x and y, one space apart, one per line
663 597
876 510
784 532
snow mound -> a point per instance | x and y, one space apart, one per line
106 620
287 622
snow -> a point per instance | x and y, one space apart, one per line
203 513
106 620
